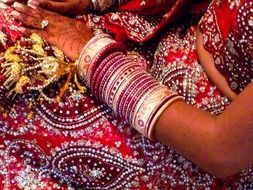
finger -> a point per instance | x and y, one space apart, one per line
37 12
33 3
42 2
26 9
29 21
60 6
26 31
7 1
29 31
4 5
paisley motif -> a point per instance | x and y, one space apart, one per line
95 168
79 143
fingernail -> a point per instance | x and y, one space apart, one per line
32 6
17 4
4 4
34 3
21 29
15 13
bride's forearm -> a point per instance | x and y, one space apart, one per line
222 145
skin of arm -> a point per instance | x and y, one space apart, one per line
222 145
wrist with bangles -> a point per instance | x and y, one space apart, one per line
123 84
103 5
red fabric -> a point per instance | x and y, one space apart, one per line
150 7
123 31
227 33
79 142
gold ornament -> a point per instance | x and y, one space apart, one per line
32 65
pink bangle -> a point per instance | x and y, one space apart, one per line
150 107
94 51
87 55
130 98
121 87
116 81
156 113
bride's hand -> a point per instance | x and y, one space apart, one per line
69 7
67 34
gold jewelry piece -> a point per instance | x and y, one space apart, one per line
32 65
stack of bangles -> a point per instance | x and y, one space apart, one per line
101 5
123 84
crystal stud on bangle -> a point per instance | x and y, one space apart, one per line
44 24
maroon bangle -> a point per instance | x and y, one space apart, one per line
133 97
117 81
104 74
95 79
127 91
109 73
125 102
102 55
125 86
134 101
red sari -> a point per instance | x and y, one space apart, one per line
80 143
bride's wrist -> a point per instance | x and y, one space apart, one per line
101 5
123 84
104 5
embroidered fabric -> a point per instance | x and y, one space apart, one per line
79 143
230 40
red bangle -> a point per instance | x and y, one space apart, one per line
98 74
118 64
